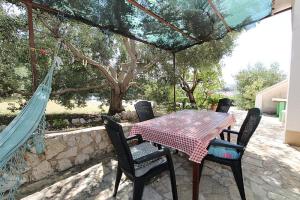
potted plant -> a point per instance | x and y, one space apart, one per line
213 101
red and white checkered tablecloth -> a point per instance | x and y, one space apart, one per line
189 131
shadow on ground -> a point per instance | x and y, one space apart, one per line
271 171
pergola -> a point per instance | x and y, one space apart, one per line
172 25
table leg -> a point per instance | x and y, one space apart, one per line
196 168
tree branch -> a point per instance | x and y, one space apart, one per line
124 70
109 73
54 30
103 69
149 65
184 85
130 48
67 90
195 85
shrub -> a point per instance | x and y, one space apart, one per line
59 124
254 79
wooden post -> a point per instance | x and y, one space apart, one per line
174 80
31 44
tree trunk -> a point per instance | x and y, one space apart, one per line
115 105
191 97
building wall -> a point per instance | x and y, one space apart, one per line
292 135
264 98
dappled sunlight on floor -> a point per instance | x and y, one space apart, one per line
271 171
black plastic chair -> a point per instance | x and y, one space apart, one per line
247 129
144 110
140 162
223 106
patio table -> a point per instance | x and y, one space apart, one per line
189 131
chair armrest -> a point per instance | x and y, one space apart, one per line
135 137
154 155
215 142
230 131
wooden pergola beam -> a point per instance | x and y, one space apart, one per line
33 59
214 8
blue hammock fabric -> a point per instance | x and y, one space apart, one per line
24 132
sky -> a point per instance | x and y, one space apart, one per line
268 42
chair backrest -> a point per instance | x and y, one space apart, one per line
116 135
224 105
249 126
144 110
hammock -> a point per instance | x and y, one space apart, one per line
26 131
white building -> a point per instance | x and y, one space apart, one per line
292 128
265 98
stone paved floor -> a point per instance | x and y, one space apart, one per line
271 171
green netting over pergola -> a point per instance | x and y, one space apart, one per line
172 25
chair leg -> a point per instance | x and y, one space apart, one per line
158 146
118 178
238 176
228 137
222 136
138 189
173 180
228 134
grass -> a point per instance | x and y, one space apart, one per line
54 108
92 107
3 108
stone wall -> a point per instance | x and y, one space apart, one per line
67 149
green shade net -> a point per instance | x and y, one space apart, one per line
195 18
